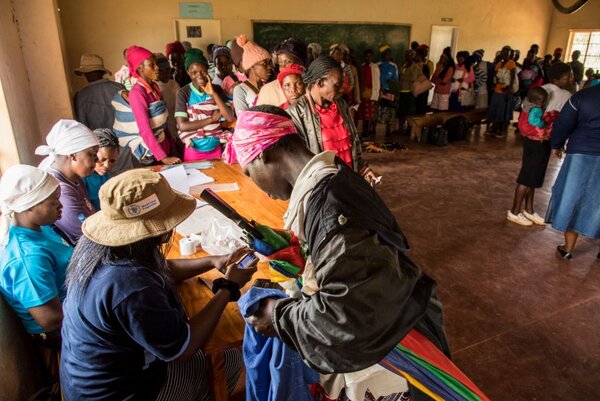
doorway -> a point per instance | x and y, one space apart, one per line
442 36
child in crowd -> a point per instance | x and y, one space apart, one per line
290 80
34 258
199 110
441 78
72 152
257 65
108 154
168 90
151 143
123 76
225 76
536 153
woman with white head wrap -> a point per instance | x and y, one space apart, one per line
72 155
34 260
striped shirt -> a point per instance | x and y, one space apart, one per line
195 105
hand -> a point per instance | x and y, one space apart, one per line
557 153
262 320
371 177
208 88
216 116
221 262
239 276
171 160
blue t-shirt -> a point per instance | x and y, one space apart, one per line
117 332
387 71
93 184
33 267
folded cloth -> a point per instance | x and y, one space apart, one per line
274 371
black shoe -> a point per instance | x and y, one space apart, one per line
598 257
564 254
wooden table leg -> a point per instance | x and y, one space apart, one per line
218 376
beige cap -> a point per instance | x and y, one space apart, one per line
136 205
90 62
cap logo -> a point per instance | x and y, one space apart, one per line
142 207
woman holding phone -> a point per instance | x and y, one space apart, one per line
125 332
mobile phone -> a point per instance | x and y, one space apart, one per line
248 261
265 283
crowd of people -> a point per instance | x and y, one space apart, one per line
83 234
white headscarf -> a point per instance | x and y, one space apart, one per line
21 188
66 138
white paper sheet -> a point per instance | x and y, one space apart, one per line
177 178
196 177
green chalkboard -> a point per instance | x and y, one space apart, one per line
357 36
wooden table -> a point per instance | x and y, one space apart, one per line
253 204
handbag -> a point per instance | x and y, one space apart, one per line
438 137
421 85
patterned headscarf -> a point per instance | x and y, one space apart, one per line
254 133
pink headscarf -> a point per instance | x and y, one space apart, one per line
254 133
135 56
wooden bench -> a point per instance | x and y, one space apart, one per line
22 374
439 118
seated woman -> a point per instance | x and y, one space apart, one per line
34 260
125 332
257 65
356 266
225 76
199 109
290 80
323 118
151 143
290 51
108 154
72 155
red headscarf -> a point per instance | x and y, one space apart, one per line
135 56
174 47
289 70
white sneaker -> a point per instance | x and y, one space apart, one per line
518 219
535 218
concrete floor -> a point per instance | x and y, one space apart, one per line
522 323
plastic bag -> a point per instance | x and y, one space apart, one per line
221 237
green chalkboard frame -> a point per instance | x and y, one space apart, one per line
356 35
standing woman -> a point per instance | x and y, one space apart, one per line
323 118
199 110
409 73
574 206
34 259
461 88
72 150
257 65
225 76
153 143
441 79
290 51
481 78
501 108
369 94
125 332
175 52
290 80
108 155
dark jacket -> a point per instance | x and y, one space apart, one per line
370 295
308 124
579 123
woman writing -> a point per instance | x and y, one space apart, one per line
152 144
199 110
323 119
125 332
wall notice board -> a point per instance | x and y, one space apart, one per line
358 36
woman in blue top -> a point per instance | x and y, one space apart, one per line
575 204
125 333
108 154
34 260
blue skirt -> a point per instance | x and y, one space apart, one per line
575 202
501 108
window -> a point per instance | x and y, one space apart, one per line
588 43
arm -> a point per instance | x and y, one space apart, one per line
375 79
565 124
139 107
48 315
183 269
345 325
535 117
239 99
74 208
